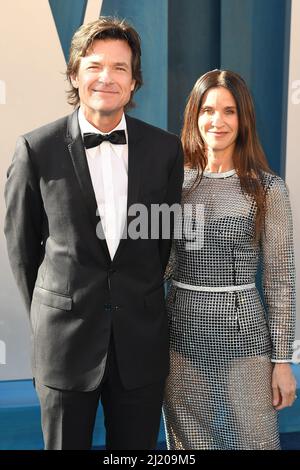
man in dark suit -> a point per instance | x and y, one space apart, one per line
94 293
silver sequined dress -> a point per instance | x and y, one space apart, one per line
222 344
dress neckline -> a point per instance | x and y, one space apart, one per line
225 174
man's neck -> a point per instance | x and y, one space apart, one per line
103 122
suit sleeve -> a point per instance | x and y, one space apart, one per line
23 220
173 196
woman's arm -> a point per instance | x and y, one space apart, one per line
279 289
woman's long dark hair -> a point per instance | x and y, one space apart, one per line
249 159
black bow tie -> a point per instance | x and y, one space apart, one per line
91 139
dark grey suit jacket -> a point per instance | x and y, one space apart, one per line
73 291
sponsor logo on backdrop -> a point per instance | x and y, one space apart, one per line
296 92
2 92
2 352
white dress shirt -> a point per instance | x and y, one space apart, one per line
108 165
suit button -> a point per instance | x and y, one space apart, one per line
107 307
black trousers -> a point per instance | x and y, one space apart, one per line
132 417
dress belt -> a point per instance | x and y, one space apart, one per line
213 289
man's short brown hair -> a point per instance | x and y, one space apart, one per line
105 27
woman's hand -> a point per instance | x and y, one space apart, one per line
283 386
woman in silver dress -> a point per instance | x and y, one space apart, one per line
230 355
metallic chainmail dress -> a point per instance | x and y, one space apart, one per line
222 341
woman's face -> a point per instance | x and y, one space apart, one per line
218 120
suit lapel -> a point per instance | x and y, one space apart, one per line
135 154
134 161
78 156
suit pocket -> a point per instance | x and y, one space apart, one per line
53 299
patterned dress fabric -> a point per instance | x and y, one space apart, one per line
223 343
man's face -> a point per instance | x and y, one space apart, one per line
104 79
